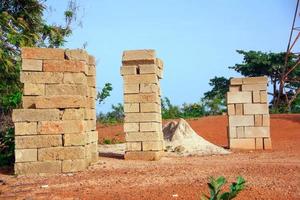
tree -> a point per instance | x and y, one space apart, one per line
215 99
105 92
284 78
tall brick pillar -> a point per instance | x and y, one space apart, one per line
249 120
55 130
141 72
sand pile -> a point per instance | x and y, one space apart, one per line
182 139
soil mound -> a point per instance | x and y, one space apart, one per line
180 138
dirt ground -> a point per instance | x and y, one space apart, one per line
273 174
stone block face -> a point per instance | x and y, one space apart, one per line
42 53
255 80
131 127
28 102
143 136
243 120
74 78
239 97
133 146
142 117
48 167
60 101
231 109
148 69
152 145
256 97
248 111
75 139
92 136
37 141
90 114
65 89
234 88
63 66
41 77
266 120
26 155
129 70
30 115
232 132
75 114
242 143
34 89
131 88
56 126
138 79
32 65
259 143
263 96
61 153
131 107
150 126
254 87
26 128
253 109
239 109
255 132
73 165
150 107
236 81
149 88
144 155
77 54
141 98
139 56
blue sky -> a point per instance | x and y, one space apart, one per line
196 39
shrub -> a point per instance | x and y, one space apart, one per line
215 186
113 117
7 147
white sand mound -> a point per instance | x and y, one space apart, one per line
181 138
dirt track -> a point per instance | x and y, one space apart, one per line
270 174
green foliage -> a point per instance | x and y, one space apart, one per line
170 111
215 188
192 110
107 141
105 92
113 117
7 147
214 100
220 86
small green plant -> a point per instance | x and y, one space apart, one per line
215 186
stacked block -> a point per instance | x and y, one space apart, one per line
141 72
249 119
55 130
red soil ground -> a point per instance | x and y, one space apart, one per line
273 174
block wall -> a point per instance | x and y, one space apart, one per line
55 130
141 72
249 119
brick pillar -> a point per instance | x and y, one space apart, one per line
55 130
141 72
249 120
